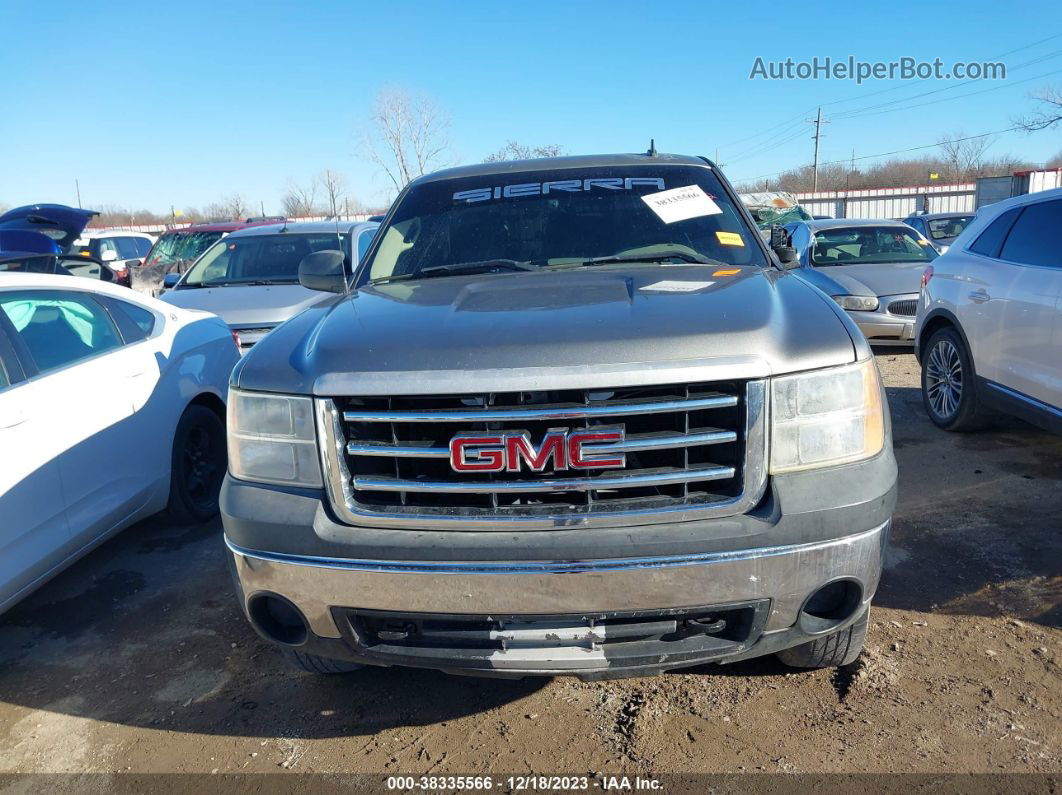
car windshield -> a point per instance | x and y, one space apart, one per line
944 228
860 245
180 247
562 218
270 259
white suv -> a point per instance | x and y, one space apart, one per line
989 327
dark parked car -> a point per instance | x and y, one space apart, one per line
940 229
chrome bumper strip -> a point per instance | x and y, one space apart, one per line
628 480
550 567
532 414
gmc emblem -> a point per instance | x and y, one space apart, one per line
510 452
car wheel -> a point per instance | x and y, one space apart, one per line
312 663
829 651
197 466
948 391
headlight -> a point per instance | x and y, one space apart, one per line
272 439
826 417
860 303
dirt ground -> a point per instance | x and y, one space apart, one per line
137 659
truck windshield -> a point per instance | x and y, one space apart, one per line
259 259
180 247
562 218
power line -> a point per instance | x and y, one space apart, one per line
847 114
854 97
782 133
949 99
782 137
886 154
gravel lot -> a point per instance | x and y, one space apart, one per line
138 659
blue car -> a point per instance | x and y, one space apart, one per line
33 239
872 268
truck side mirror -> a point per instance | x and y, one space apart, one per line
787 255
780 246
325 271
169 281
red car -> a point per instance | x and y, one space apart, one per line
177 249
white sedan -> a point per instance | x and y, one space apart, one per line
111 409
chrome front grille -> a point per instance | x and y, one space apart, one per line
691 450
905 308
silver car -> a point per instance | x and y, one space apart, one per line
251 277
872 268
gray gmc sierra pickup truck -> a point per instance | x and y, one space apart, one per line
567 416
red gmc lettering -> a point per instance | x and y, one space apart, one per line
581 459
519 447
513 452
475 454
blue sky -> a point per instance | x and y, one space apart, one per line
149 107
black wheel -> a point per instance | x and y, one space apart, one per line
948 391
829 651
197 466
311 663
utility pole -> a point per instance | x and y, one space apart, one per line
815 163
77 187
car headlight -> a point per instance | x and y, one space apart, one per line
272 439
826 417
860 303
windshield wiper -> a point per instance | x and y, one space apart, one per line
258 282
459 268
679 255
483 266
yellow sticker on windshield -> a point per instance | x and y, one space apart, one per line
729 239
923 242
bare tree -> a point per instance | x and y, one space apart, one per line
220 211
1056 161
408 136
300 200
965 156
232 207
1048 115
333 185
517 151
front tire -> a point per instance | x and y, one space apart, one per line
197 466
949 393
829 651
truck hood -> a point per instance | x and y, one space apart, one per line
249 306
553 330
888 278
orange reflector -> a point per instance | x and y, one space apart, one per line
727 272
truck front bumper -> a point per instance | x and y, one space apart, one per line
592 618
593 602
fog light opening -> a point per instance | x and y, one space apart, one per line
277 619
830 606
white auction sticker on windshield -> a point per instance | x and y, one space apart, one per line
680 204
